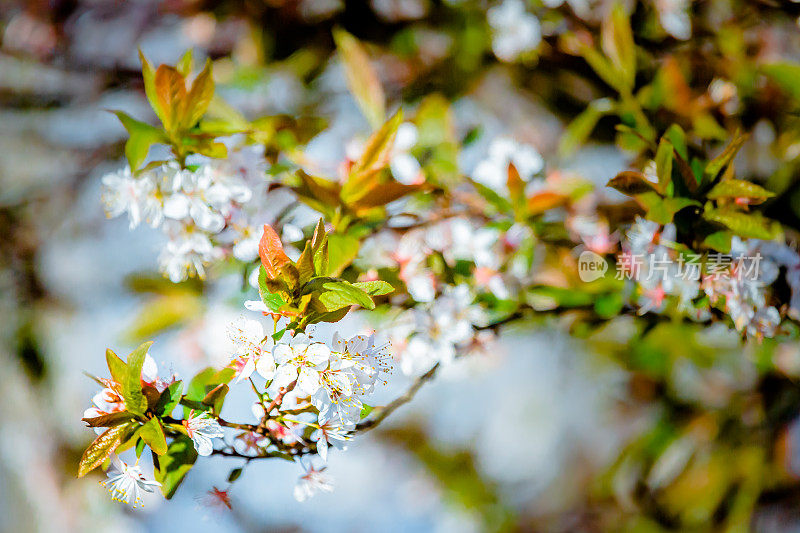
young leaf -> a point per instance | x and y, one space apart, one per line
716 165
305 264
175 464
141 137
171 94
216 397
148 75
374 288
664 164
582 126
663 210
361 77
617 43
169 399
273 300
733 189
116 366
631 183
342 249
750 225
341 293
270 249
135 401
186 64
153 435
199 97
103 446
109 420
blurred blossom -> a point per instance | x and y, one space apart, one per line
514 30
398 10
492 172
674 17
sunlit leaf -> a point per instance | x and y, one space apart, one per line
99 450
361 77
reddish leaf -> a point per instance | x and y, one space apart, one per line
270 248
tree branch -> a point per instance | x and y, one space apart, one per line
388 409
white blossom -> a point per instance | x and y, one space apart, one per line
250 349
514 30
492 172
126 483
311 482
201 429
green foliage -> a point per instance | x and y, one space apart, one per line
135 401
103 446
172 467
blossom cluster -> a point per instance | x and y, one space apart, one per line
739 286
203 208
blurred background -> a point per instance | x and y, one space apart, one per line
535 436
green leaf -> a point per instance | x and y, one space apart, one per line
374 158
234 475
342 249
739 189
140 444
374 288
785 74
750 225
186 63
148 75
103 446
216 397
361 77
169 399
664 164
662 210
116 366
175 464
603 68
616 40
716 165
153 435
719 241
203 383
676 136
341 294
135 401
582 126
273 300
141 136
305 264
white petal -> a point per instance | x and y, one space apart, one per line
308 381
265 366
318 353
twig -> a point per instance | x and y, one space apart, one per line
388 409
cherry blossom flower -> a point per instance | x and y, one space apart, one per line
301 359
201 429
124 193
126 483
311 482
186 255
250 349
332 431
